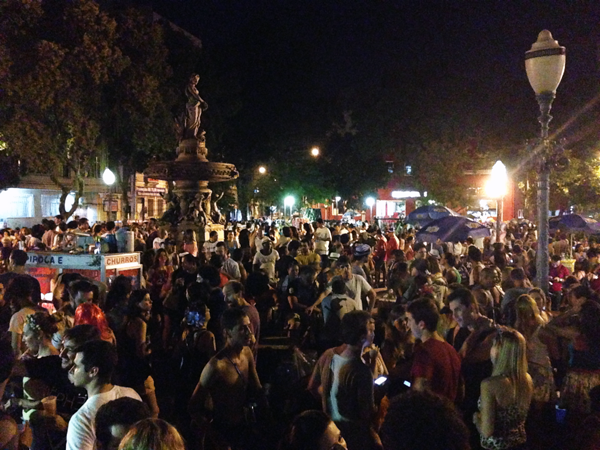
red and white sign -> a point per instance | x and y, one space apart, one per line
122 259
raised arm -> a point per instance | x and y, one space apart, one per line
484 419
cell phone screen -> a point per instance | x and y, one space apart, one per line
195 319
407 384
380 380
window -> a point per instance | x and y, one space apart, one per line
151 210
50 204
390 166
160 206
16 203
408 169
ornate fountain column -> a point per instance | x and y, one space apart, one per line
190 204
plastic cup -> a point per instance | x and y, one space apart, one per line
561 415
49 404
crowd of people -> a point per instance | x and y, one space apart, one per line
320 337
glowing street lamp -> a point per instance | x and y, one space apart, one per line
262 170
496 188
288 201
545 66
109 179
315 151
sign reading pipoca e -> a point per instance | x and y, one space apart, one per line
45 259
63 260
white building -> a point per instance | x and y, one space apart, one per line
37 197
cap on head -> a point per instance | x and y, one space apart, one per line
362 250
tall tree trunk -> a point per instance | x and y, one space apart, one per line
77 186
125 185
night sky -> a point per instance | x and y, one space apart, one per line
299 64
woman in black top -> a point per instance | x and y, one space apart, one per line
134 349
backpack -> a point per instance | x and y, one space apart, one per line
333 327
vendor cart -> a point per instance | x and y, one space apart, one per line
45 266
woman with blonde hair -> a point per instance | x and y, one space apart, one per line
506 395
531 325
152 434
539 296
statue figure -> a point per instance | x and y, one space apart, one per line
172 213
200 216
184 207
187 126
216 215
206 202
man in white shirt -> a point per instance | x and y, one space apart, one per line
230 267
322 238
337 303
209 247
355 286
266 258
344 382
159 241
92 369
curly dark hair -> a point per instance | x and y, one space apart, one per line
306 431
423 420
44 322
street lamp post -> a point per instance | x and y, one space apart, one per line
109 179
545 66
337 204
496 188
370 201
288 201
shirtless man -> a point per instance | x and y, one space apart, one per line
227 382
488 293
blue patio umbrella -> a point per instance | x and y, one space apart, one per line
425 214
452 229
574 223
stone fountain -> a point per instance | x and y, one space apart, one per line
190 204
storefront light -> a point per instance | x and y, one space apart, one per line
406 194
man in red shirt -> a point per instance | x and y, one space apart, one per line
392 244
379 257
436 365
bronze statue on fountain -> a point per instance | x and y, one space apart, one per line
189 203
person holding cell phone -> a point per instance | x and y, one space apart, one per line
344 383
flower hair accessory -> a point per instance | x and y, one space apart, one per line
32 324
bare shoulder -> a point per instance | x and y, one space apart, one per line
495 383
210 373
217 363
137 322
206 337
247 354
